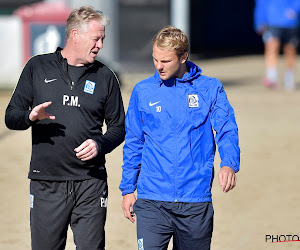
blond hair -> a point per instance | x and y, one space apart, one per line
79 19
171 38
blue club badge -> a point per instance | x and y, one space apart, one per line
89 87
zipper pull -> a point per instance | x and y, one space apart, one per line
72 85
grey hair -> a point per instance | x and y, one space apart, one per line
79 19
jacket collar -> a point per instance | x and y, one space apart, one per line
63 61
194 72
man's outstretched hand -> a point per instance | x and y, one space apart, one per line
39 113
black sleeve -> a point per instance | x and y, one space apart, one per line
18 109
114 119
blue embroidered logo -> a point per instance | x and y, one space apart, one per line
89 87
31 200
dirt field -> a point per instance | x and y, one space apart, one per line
266 200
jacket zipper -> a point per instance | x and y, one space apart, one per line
72 85
175 130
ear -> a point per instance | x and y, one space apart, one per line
184 57
74 34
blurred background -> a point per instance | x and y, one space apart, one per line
215 29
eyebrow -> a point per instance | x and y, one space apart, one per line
165 60
96 37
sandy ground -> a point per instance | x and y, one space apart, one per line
266 200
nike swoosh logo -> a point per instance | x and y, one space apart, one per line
47 81
152 104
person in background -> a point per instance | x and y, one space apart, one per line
278 23
169 149
65 97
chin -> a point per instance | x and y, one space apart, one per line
92 60
164 77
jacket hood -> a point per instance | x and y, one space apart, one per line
194 71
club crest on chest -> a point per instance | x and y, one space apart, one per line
193 101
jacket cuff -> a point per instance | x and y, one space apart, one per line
127 192
27 120
232 163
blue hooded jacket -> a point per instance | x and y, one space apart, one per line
170 145
276 13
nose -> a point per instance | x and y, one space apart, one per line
159 66
99 44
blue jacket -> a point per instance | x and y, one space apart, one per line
169 145
276 13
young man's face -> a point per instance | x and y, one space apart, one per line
167 63
90 42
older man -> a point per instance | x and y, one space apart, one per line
65 97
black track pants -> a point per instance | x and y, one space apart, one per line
55 205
